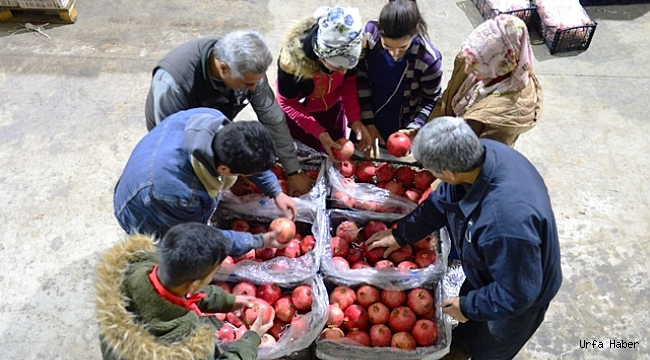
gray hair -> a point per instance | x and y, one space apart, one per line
243 51
447 143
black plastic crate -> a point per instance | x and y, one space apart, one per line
576 38
527 14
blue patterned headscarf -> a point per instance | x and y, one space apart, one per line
338 40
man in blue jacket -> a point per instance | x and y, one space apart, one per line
496 208
176 171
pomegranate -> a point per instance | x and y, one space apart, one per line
244 288
302 297
359 336
307 244
401 319
226 333
228 261
367 295
267 341
420 301
373 255
224 286
413 195
384 264
299 324
402 254
221 316
335 315
340 263
250 314
277 328
348 231
366 205
332 333
265 253
378 313
424 332
347 168
286 227
407 265
339 247
240 331
373 227
284 309
424 244
393 298
356 317
344 296
403 340
240 225
346 151
423 179
234 319
380 335
248 256
405 175
291 251
424 258
365 171
269 292
429 315
343 199
395 188
355 254
385 172
360 265
398 144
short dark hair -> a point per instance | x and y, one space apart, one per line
401 18
189 252
246 147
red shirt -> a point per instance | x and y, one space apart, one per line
188 301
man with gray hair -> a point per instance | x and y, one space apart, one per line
226 74
497 210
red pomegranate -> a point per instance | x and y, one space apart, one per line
360 265
348 231
265 253
393 298
367 295
365 171
423 179
284 309
424 258
268 341
402 254
277 328
403 340
424 332
251 313
356 317
234 319
302 297
359 336
343 199
307 244
385 172
424 244
401 319
380 335
384 264
339 247
373 227
395 188
332 333
347 168
378 313
244 288
291 251
407 265
398 144
405 175
286 227
420 301
226 333
355 254
340 263
335 315
373 255
344 296
346 151
413 195
269 292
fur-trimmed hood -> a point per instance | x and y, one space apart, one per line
293 57
122 336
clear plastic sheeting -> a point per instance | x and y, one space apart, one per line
452 282
297 338
364 196
281 270
348 349
384 278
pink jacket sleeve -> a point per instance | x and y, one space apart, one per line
297 113
350 99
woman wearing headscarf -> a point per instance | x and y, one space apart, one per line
492 85
317 86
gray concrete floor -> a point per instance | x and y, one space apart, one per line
71 110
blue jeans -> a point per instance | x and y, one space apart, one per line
494 339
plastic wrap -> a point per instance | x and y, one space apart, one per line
364 196
384 278
509 5
348 349
562 14
293 340
281 270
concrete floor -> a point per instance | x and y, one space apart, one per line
71 110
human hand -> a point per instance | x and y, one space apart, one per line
366 141
409 132
451 306
299 184
376 136
287 205
383 239
259 327
242 301
328 144
271 239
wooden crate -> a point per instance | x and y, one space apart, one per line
67 15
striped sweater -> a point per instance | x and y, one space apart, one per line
423 80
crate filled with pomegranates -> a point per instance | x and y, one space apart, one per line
347 259
374 323
299 313
299 258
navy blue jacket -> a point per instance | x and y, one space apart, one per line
159 189
504 229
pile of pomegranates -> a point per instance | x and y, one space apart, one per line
289 307
350 252
382 318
